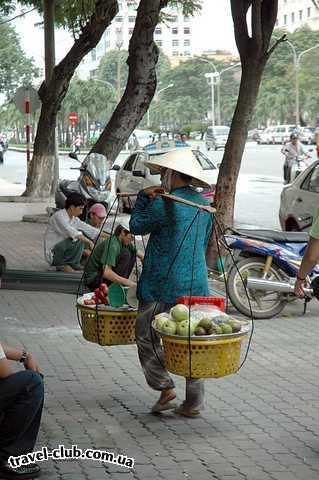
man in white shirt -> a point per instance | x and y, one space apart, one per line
21 403
291 150
67 236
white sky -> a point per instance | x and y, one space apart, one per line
212 30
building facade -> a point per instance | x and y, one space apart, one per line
293 14
174 36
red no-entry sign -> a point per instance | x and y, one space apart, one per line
73 118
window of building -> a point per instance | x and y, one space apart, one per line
309 12
187 30
158 31
174 19
175 53
186 19
159 43
130 31
120 6
131 19
118 31
175 43
293 17
285 19
174 31
300 14
119 19
187 43
93 54
107 44
187 53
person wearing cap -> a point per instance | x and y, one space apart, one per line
97 215
113 259
291 150
174 266
67 236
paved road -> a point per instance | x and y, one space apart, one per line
259 184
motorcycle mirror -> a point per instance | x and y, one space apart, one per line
74 156
116 168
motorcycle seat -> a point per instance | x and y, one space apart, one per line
273 235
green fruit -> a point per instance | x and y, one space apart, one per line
205 323
218 330
200 331
160 320
169 327
236 325
179 313
183 329
226 328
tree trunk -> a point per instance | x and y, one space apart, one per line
254 54
41 171
141 83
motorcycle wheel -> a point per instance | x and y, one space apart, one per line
263 304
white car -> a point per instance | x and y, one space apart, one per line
134 176
265 137
299 200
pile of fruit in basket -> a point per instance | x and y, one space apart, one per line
200 320
99 296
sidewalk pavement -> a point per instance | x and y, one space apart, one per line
260 424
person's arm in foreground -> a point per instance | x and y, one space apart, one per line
15 354
310 258
113 277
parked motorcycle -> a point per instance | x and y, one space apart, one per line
94 182
265 268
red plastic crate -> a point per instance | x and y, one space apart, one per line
219 302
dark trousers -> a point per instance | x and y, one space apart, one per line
287 172
68 252
21 403
124 266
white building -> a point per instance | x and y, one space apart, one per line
173 37
293 14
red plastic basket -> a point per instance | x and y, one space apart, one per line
219 302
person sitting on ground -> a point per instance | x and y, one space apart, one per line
21 403
67 236
113 259
97 214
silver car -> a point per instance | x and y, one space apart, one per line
134 176
299 200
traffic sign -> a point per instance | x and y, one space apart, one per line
29 95
73 118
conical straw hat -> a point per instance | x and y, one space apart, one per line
183 161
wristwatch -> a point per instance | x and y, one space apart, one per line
24 356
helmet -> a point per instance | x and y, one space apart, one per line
294 136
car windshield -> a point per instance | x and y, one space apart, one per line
221 130
204 161
99 168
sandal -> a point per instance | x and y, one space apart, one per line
168 405
186 413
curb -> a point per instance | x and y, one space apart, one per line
37 218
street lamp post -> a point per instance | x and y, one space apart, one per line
296 60
119 44
211 81
105 82
156 95
217 81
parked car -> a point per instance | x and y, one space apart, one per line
216 137
299 200
265 137
307 135
133 175
281 133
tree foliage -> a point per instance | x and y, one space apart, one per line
15 67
